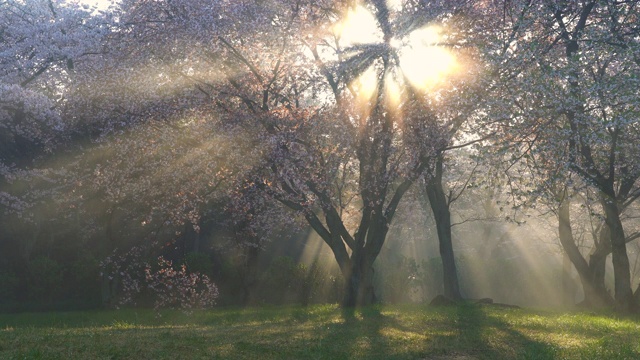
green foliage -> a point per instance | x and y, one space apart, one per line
83 281
45 279
288 282
198 262
44 283
231 277
402 279
9 283
283 282
399 279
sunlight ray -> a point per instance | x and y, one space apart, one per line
424 63
358 27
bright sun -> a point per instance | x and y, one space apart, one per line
424 64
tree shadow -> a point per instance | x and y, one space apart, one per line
359 333
481 336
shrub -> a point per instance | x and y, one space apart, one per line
288 282
162 285
45 279
282 282
401 279
9 283
179 288
198 262
83 285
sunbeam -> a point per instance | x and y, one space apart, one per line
424 61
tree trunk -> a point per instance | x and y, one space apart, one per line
568 287
359 289
591 273
621 268
442 215
598 267
598 295
248 273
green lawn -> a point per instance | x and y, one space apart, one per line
321 332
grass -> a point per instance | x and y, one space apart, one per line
464 332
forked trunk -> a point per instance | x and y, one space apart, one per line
591 273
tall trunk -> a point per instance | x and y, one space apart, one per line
442 215
359 270
568 289
359 289
357 267
248 273
598 266
591 273
599 296
621 268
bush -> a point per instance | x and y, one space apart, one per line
198 262
173 288
400 279
83 279
45 281
288 282
162 285
9 283
282 282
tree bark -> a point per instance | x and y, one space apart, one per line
621 269
359 289
591 273
442 215
599 296
568 289
248 273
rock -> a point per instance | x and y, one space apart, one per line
441 300
484 301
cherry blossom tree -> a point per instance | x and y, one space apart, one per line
339 132
40 45
570 68
329 146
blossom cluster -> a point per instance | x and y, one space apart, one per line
163 284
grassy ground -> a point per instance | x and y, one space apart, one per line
321 332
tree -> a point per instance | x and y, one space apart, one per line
568 58
43 44
343 163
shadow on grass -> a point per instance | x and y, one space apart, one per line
463 332
360 335
479 336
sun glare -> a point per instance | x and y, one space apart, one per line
424 63
358 27
366 85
